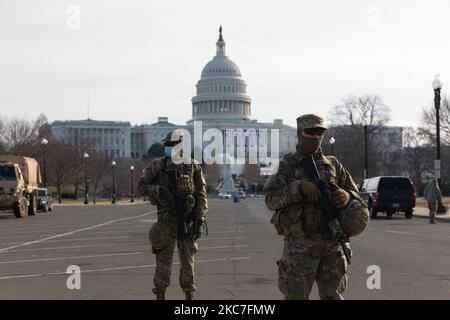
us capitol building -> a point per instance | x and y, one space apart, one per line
221 102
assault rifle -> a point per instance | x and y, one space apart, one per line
327 207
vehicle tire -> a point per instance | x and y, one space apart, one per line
32 209
373 213
389 213
20 208
408 213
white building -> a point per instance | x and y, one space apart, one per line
109 137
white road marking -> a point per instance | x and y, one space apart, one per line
418 234
75 231
73 257
230 238
221 247
231 231
400 232
76 247
106 255
114 268
79 239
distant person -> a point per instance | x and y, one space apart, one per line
433 195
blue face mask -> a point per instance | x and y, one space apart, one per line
168 151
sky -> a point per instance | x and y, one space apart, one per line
137 60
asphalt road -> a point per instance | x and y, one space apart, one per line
236 261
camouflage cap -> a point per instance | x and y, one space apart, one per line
173 136
310 121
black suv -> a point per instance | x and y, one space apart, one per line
389 194
44 200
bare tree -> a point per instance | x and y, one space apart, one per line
417 153
99 164
62 165
368 109
429 120
348 119
20 136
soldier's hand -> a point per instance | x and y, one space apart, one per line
165 194
310 192
340 198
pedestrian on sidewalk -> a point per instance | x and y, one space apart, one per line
432 194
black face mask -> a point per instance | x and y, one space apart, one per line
309 145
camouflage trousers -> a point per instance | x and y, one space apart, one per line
307 260
432 207
186 250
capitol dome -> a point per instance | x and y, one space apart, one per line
222 66
221 91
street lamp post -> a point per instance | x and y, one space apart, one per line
44 143
113 200
437 85
132 183
366 161
85 157
332 141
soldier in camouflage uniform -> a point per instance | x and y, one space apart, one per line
179 192
310 252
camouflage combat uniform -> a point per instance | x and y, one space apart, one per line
185 190
432 193
310 252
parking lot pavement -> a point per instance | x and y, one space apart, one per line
235 261
110 245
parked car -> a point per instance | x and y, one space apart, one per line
224 195
44 200
390 194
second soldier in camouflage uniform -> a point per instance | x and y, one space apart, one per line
179 192
310 252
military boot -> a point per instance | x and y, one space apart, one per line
161 296
190 295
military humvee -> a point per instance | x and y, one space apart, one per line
19 181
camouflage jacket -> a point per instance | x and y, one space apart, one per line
182 184
293 215
432 192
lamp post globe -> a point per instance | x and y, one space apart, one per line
44 143
132 183
113 198
332 142
85 157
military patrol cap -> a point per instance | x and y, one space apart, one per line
173 137
310 121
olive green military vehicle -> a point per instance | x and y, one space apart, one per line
19 181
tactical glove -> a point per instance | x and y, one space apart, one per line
340 198
198 228
309 191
